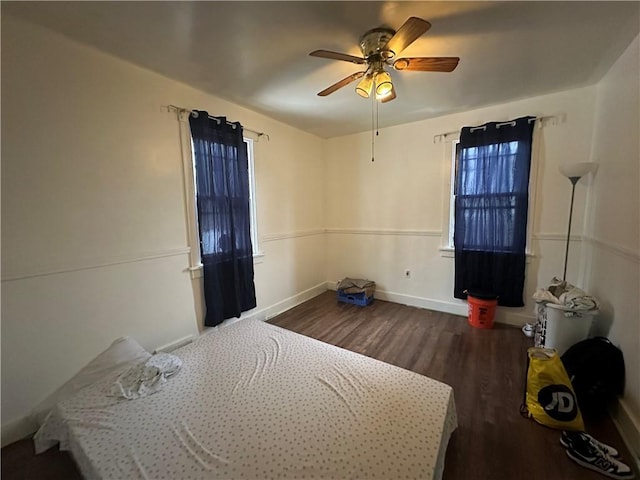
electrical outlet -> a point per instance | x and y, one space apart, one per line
407 273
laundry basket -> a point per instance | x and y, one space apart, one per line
560 327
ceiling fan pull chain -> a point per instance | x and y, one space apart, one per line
373 102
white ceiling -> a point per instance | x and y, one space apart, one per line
256 53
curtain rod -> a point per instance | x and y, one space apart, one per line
217 119
441 136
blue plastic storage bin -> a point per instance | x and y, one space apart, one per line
359 299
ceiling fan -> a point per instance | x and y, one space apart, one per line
380 47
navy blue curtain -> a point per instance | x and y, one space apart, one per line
222 189
491 204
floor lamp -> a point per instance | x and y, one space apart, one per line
574 172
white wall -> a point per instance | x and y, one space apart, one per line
614 231
391 215
93 215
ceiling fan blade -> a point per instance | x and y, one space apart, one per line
341 83
427 64
407 34
337 56
389 97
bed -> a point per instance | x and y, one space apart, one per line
255 401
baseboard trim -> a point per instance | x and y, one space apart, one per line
415 301
515 319
282 306
454 308
288 303
422 302
171 346
629 429
17 430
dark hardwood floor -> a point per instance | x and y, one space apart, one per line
484 367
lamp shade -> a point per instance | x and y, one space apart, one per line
383 85
577 170
365 86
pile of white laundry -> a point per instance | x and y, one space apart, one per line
146 378
565 294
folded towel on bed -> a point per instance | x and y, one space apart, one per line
147 377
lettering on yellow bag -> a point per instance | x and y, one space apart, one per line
549 396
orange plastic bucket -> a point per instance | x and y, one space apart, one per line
482 310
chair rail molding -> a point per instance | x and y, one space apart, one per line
386 231
615 249
91 263
297 233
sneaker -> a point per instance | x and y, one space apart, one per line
528 330
586 454
567 439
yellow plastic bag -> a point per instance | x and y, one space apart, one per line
549 397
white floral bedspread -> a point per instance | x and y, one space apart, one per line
254 401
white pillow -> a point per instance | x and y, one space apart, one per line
122 351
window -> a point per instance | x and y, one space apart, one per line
212 238
491 209
222 198
453 154
491 197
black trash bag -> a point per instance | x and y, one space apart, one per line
596 369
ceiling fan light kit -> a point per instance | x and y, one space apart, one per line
392 95
383 85
382 82
365 86
379 47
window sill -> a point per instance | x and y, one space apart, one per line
196 272
450 252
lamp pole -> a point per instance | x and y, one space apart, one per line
573 181
574 172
